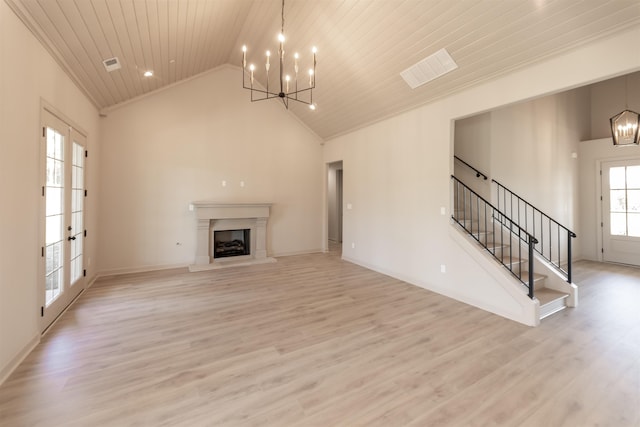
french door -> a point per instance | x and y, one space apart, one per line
621 211
62 269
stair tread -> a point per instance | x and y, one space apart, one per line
536 276
546 295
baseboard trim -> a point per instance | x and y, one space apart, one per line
143 269
149 268
305 252
19 358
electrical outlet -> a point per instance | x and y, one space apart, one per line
353 245
443 268
443 211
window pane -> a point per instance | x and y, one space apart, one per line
54 201
54 173
633 177
51 147
633 201
618 201
617 178
59 142
53 227
634 224
618 224
49 264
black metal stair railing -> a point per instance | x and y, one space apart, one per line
554 239
478 173
495 231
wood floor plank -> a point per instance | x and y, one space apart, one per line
315 341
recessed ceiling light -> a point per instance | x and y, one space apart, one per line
148 73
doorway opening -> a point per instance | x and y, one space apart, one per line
334 206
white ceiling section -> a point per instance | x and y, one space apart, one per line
363 45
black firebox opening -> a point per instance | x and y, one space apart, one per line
229 243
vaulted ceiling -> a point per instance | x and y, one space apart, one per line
363 45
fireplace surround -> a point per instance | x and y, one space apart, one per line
212 217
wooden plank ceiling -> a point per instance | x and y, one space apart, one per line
363 44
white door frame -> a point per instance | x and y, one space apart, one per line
600 197
45 319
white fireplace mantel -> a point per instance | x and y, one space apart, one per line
213 215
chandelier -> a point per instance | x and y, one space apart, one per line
625 126
289 88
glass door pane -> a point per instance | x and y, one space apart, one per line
77 198
54 215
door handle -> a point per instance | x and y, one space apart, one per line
71 238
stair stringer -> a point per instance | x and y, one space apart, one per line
530 309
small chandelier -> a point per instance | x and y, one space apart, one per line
625 127
289 89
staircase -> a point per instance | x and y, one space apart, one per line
511 246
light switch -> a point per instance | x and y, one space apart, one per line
349 206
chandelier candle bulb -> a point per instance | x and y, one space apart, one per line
295 62
244 56
251 67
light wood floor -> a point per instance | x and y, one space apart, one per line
315 341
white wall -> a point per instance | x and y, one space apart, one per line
531 151
528 147
473 145
163 151
399 176
28 74
611 97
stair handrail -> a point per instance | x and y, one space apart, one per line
570 234
478 173
507 223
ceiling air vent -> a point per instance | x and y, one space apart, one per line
428 69
111 64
